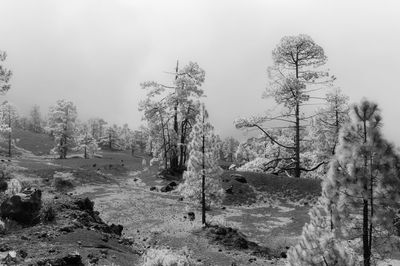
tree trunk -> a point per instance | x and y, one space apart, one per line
62 147
174 160
9 143
337 126
182 159
297 140
86 143
366 254
9 133
203 182
297 143
366 237
164 142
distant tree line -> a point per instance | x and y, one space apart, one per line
69 133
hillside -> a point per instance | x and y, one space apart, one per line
37 143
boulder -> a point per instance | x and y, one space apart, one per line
153 189
23 207
85 204
232 167
167 188
239 178
11 258
3 185
173 184
116 229
191 216
69 259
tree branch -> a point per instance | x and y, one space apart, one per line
270 137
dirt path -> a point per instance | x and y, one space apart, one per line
159 219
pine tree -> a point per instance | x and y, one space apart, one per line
111 140
202 177
10 117
170 112
86 143
362 190
62 117
328 122
319 245
294 75
36 119
360 197
229 148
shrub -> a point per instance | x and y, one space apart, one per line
62 184
166 257
8 226
47 213
63 181
14 187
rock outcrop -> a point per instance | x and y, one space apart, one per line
23 207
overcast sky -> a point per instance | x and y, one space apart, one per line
96 53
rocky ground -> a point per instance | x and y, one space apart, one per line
254 226
69 232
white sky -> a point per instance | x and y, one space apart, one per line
96 53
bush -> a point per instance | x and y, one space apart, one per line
14 187
63 184
8 226
47 214
166 257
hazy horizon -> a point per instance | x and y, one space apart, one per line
96 53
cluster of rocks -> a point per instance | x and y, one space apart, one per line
167 188
82 212
72 215
73 258
233 239
25 208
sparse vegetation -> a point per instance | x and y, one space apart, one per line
312 181
166 257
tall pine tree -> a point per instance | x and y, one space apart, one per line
362 190
202 177
360 197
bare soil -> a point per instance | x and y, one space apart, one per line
119 185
